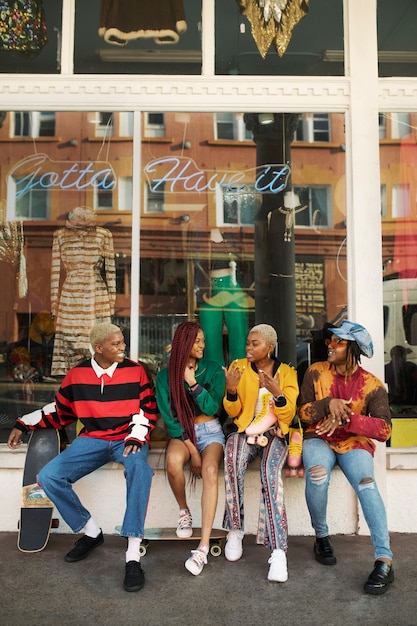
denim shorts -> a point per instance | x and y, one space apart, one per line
208 432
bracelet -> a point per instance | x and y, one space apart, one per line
192 387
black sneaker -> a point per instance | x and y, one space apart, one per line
324 551
134 577
83 547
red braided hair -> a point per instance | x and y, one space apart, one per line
180 400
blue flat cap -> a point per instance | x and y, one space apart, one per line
355 332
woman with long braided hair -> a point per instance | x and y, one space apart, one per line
189 394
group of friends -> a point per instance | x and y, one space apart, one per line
343 409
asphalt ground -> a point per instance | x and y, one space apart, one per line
42 589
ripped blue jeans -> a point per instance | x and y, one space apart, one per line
358 467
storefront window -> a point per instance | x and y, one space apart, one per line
311 47
126 38
234 230
30 37
397 44
398 156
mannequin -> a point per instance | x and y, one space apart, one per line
87 255
227 304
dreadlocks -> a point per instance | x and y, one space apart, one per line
181 402
353 357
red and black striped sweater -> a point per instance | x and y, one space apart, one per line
107 407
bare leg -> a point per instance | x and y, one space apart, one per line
211 457
177 457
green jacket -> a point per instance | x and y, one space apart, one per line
208 395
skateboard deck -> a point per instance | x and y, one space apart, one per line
217 538
36 509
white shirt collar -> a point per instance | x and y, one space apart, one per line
99 371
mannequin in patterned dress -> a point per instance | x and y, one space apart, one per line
85 252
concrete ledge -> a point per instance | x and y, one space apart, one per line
103 492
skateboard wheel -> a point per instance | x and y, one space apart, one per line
215 549
262 441
55 523
300 472
143 549
290 472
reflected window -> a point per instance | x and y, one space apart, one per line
103 124
103 194
32 205
400 201
313 207
382 123
154 125
313 127
33 124
155 197
232 126
237 205
400 125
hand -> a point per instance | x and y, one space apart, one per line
189 375
327 426
270 383
340 409
14 440
339 412
233 377
195 463
130 449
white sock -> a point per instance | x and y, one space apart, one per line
133 546
91 529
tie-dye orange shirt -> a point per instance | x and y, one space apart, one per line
371 415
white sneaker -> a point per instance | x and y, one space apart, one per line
278 571
196 562
185 526
233 550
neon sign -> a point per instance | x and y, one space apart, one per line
170 174
38 171
179 175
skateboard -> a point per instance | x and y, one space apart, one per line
258 427
36 509
217 538
294 466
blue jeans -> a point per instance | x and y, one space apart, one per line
82 457
358 466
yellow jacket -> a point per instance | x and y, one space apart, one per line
242 409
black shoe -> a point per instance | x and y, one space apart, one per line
379 579
134 578
324 551
83 547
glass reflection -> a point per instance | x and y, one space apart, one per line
398 157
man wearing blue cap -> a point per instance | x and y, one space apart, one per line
343 408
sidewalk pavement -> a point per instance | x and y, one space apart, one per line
43 590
